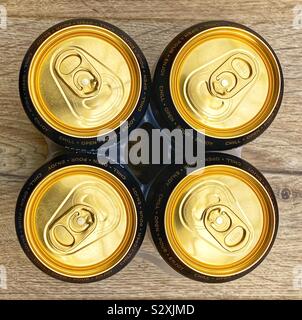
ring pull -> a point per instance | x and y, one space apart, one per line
232 76
72 228
78 73
83 217
215 90
92 91
226 227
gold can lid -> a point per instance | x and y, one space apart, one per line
219 221
225 81
83 80
80 221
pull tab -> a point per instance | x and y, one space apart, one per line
91 90
78 73
226 227
87 214
215 90
72 228
232 76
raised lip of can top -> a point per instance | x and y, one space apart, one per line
104 34
42 253
272 68
255 254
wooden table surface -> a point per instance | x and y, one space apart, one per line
277 153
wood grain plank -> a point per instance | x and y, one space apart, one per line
153 24
137 10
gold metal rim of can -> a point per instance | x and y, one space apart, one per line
52 101
209 47
112 236
191 241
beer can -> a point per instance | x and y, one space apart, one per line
219 78
214 224
81 79
80 221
